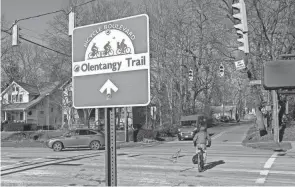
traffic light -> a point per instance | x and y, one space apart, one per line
190 75
242 16
15 35
242 27
243 38
221 70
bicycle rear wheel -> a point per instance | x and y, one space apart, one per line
128 50
200 168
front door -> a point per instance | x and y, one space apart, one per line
84 137
72 139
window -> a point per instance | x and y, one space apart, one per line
9 97
21 116
91 132
17 89
13 98
41 112
20 98
16 98
83 132
51 109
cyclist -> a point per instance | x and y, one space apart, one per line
123 46
107 47
200 141
94 49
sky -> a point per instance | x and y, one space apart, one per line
32 28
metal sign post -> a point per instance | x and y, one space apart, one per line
110 148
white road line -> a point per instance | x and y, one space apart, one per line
260 181
271 160
264 172
267 165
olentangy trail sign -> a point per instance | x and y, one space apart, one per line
111 63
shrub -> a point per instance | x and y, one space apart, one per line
168 130
13 127
146 133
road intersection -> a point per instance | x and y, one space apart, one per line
228 164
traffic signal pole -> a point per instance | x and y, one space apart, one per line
275 116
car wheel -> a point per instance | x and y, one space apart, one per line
95 145
57 146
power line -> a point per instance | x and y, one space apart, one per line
47 14
85 3
37 44
35 17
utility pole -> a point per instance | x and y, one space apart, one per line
126 124
15 34
71 21
275 115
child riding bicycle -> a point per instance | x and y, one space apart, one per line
201 140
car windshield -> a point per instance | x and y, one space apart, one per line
187 124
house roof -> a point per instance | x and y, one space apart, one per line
66 83
29 88
46 89
33 90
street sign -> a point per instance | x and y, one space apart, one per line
279 74
255 82
240 65
111 63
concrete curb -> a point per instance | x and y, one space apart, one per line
263 145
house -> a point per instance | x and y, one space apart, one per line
230 111
30 104
73 118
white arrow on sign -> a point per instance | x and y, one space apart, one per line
108 86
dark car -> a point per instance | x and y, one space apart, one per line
189 123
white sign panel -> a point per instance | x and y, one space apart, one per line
240 64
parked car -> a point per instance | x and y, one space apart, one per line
224 119
78 138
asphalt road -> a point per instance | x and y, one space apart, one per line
228 164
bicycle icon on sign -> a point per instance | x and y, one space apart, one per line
122 49
95 53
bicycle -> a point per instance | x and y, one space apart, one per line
92 54
126 50
199 159
109 52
